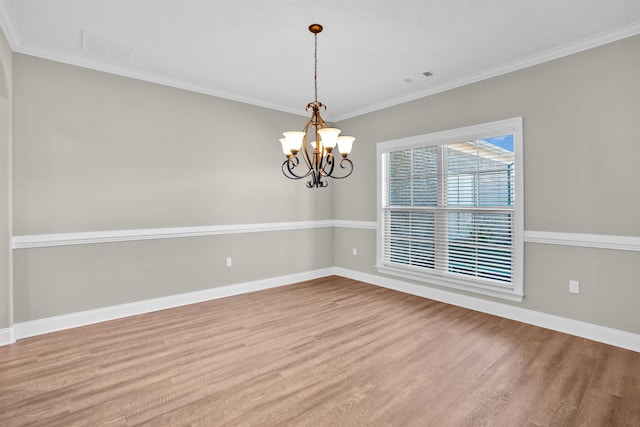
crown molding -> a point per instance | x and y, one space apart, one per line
124 71
529 61
9 27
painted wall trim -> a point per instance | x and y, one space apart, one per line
578 328
364 225
7 336
88 237
89 317
610 36
8 25
151 77
599 241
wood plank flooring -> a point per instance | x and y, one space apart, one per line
327 352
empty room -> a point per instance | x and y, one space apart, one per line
320 213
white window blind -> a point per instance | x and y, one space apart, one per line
449 207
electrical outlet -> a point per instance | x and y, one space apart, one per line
574 286
355 251
229 262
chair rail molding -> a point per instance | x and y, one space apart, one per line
90 237
598 241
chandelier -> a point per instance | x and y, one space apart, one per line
317 142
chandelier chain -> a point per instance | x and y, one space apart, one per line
315 68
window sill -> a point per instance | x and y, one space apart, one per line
495 292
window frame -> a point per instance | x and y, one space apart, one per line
512 126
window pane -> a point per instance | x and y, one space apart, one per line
411 238
425 160
399 178
425 191
413 177
461 190
479 244
480 172
495 188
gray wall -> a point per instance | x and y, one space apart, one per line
581 151
95 152
6 318
68 279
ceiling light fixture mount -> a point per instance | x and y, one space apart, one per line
317 155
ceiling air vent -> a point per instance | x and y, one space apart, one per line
418 77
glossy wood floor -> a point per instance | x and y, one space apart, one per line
327 352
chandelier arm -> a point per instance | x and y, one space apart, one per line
288 166
316 181
305 148
320 120
317 184
349 166
330 162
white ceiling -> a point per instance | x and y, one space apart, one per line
260 51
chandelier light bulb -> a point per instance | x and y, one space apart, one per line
345 144
285 147
294 140
329 137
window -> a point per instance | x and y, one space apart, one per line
450 208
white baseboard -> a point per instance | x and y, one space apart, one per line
83 318
7 336
578 328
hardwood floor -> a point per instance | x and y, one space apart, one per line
328 352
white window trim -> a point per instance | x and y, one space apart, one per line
501 127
